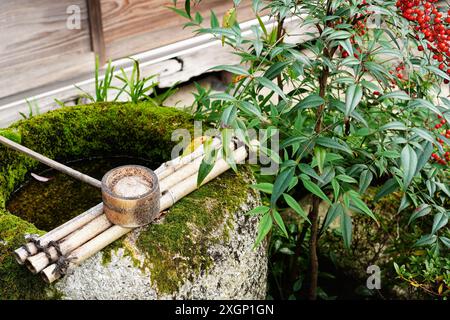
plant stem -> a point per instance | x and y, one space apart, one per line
314 213
314 261
280 35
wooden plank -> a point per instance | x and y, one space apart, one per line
132 26
37 72
96 29
176 62
34 37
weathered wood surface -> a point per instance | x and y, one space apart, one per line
133 26
96 29
36 47
176 62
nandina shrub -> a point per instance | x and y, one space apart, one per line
361 103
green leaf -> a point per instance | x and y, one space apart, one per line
261 24
265 225
390 186
279 220
296 206
424 156
365 179
358 203
440 220
445 241
409 164
425 240
421 103
263 186
333 144
258 211
352 99
421 211
180 12
347 45
236 69
222 96
214 21
443 188
249 108
307 169
346 178
394 125
272 154
338 35
314 189
311 101
424 134
203 171
346 228
270 85
334 211
438 72
400 95
320 155
275 69
281 184
187 7
228 115
336 189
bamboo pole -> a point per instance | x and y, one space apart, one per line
51 163
183 173
39 261
85 251
166 176
171 166
58 233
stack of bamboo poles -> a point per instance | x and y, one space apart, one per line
55 253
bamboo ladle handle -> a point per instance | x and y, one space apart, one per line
51 163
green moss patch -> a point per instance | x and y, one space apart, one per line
173 248
102 129
16 282
178 246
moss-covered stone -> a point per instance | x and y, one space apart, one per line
178 246
16 282
171 248
69 133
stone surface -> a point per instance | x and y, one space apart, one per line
237 271
201 249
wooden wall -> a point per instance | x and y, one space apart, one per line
37 49
139 25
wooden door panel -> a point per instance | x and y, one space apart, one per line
34 37
133 26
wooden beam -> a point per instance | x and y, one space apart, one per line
96 29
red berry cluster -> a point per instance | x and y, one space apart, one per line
398 72
445 159
359 21
430 22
